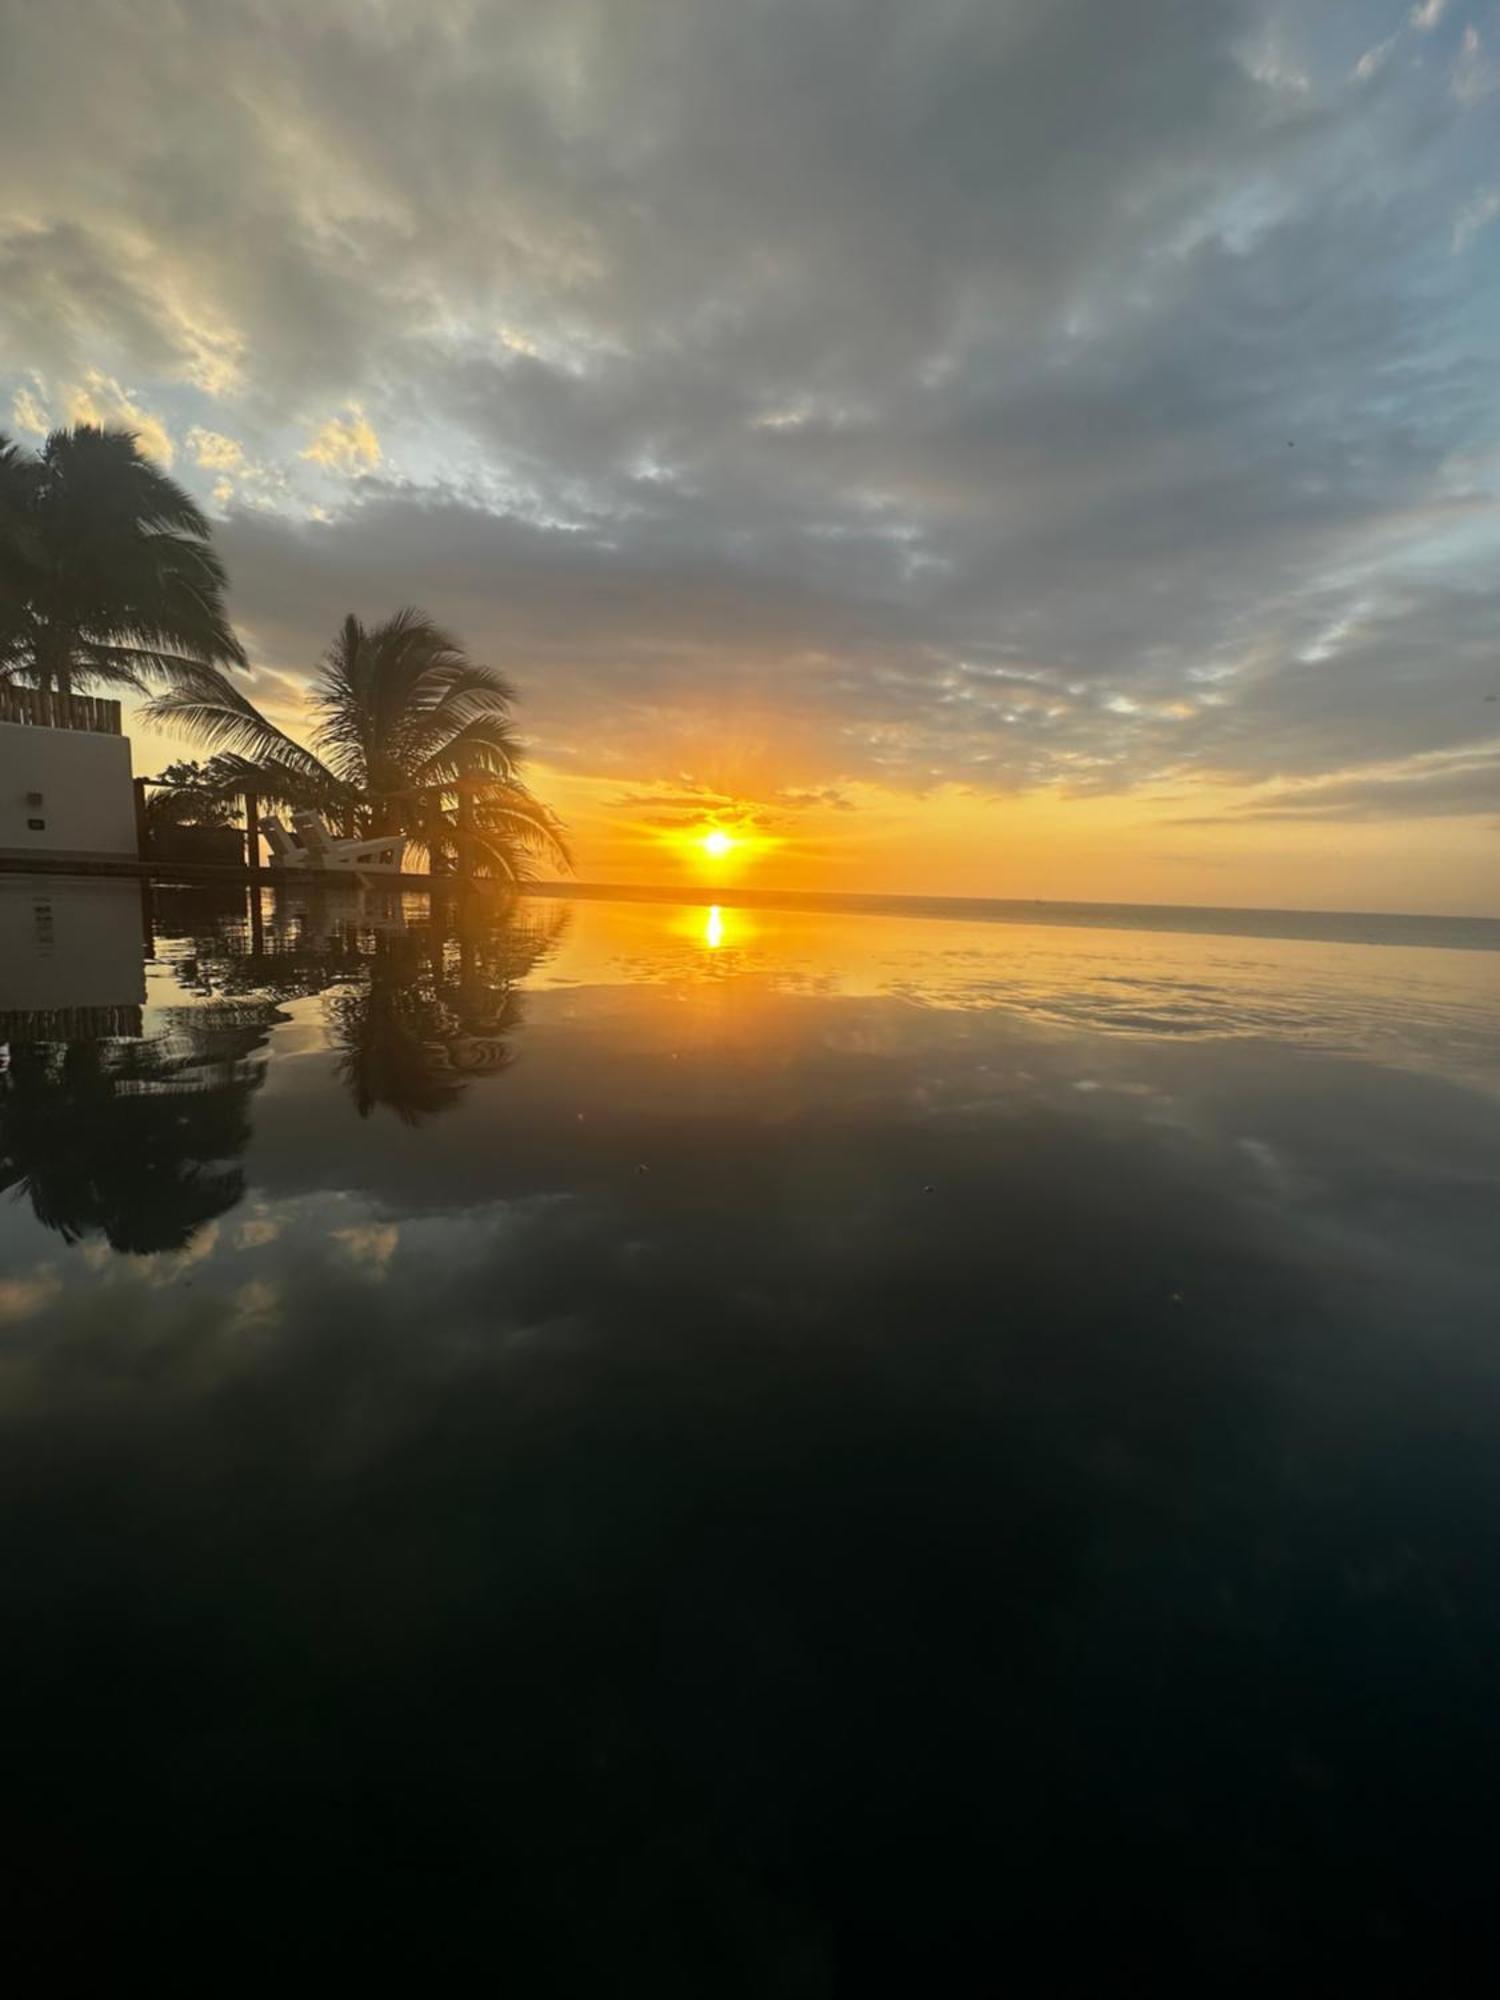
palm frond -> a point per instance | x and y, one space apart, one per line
391 695
447 704
485 748
275 782
208 709
530 825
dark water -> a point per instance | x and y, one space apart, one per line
638 1449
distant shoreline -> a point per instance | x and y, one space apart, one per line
1309 926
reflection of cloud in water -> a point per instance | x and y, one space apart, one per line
21 1297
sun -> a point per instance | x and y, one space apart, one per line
715 852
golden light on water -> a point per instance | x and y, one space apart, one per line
717 931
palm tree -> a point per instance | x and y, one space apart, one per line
414 739
106 576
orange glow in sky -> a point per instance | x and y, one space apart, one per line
698 852
757 823
1176 842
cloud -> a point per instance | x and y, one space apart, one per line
28 413
1475 75
22 1298
368 1246
756 389
689 803
1434 788
257 1232
254 1307
1428 13
99 399
345 444
800 798
1475 215
1375 59
688 799
214 451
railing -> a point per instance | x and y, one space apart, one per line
60 711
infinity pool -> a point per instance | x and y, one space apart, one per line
716 1452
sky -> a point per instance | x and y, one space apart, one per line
991 447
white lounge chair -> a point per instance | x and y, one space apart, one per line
309 844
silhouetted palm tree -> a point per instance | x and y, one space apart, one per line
414 739
106 575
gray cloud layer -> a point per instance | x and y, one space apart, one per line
1023 392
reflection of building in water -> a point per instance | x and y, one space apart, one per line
70 957
103 1129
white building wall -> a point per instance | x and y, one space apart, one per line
87 802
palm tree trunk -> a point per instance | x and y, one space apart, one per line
52 661
60 659
252 832
466 827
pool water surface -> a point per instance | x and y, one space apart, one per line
635 1448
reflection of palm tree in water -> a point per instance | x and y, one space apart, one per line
415 1012
432 1013
134 1139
